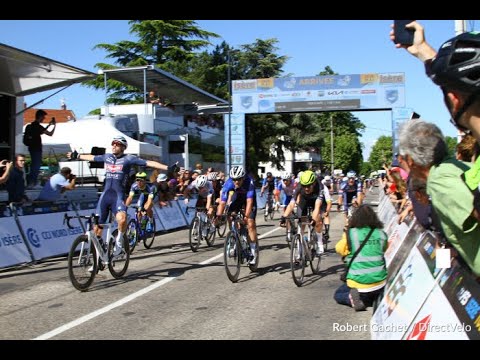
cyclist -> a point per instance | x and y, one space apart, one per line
269 184
350 193
244 197
205 192
326 205
308 195
117 169
145 200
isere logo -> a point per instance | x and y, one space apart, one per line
33 237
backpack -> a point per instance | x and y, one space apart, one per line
27 136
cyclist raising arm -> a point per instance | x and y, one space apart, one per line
117 169
244 197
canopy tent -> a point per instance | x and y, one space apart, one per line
150 78
82 135
24 73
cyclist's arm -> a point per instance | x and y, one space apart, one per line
209 201
157 165
316 210
248 207
149 201
129 199
85 157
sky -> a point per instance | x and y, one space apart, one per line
347 46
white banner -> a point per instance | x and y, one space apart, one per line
12 248
191 212
395 240
171 216
47 235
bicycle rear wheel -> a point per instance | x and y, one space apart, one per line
132 234
148 241
232 256
297 260
82 263
194 234
118 265
315 259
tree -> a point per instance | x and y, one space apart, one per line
381 152
168 44
451 144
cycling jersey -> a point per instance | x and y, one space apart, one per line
272 183
240 195
307 200
117 170
348 192
287 189
149 191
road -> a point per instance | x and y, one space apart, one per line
169 292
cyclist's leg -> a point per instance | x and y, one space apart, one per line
252 232
120 212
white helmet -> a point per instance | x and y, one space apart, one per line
345 179
161 177
212 176
200 181
286 176
120 139
351 174
327 178
237 172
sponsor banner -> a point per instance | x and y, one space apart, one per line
395 240
261 200
402 299
48 235
463 292
391 225
12 248
234 139
171 216
398 252
437 321
322 93
191 212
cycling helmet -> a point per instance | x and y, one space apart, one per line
351 174
212 176
161 177
141 175
308 177
286 176
237 172
269 174
327 178
457 63
200 181
120 139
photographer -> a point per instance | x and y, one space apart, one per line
57 185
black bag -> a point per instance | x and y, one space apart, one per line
343 275
27 135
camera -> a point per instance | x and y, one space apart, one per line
72 176
53 121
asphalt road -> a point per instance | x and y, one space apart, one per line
169 292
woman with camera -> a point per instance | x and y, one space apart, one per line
57 185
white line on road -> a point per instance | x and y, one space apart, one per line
123 301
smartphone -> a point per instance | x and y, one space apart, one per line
403 35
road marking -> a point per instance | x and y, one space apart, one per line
125 300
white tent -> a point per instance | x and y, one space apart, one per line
82 135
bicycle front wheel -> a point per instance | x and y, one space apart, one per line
118 265
222 227
297 260
132 234
148 241
232 256
194 234
82 263
211 233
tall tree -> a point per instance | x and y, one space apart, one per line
381 152
451 144
168 44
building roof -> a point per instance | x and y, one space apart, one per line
60 115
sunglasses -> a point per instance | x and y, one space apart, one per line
140 179
116 143
239 179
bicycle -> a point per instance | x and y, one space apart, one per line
201 228
222 223
237 247
136 230
269 207
90 254
303 249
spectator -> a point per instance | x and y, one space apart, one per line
198 168
367 274
7 166
57 185
35 147
163 190
423 146
455 69
16 181
465 149
153 98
